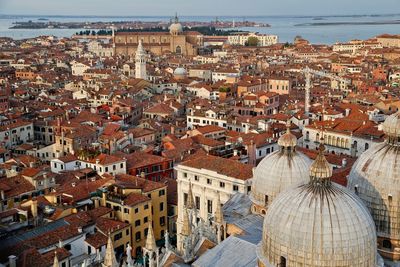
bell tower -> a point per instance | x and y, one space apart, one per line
140 62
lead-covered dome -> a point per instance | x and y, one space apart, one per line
375 178
279 170
318 224
176 28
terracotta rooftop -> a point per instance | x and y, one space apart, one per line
106 225
222 166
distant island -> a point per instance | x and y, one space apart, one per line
339 23
130 25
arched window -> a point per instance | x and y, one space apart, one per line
282 262
366 146
387 244
178 50
307 135
317 138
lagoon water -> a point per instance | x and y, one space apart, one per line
283 26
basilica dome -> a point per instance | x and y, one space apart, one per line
375 178
319 223
176 28
279 170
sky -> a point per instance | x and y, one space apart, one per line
197 7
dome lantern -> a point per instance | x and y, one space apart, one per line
288 140
391 128
321 170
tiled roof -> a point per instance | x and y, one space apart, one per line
222 166
141 159
16 186
135 198
106 225
96 240
130 181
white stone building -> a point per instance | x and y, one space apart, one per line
210 178
263 39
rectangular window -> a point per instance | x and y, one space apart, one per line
137 236
161 206
117 236
146 206
196 178
185 174
185 197
197 199
145 219
162 220
127 231
209 206
161 192
235 188
136 210
126 210
137 222
222 184
209 181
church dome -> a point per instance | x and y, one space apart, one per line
319 223
391 127
375 178
279 170
180 73
176 28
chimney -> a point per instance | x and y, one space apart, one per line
344 162
12 260
96 203
34 207
251 151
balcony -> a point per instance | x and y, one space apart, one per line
116 198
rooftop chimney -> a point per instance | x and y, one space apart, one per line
12 260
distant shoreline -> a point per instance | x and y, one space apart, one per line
11 16
391 22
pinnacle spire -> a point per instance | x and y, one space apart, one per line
190 200
109 258
55 263
186 228
219 216
150 240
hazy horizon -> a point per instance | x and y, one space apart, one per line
234 8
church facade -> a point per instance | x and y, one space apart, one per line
175 41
